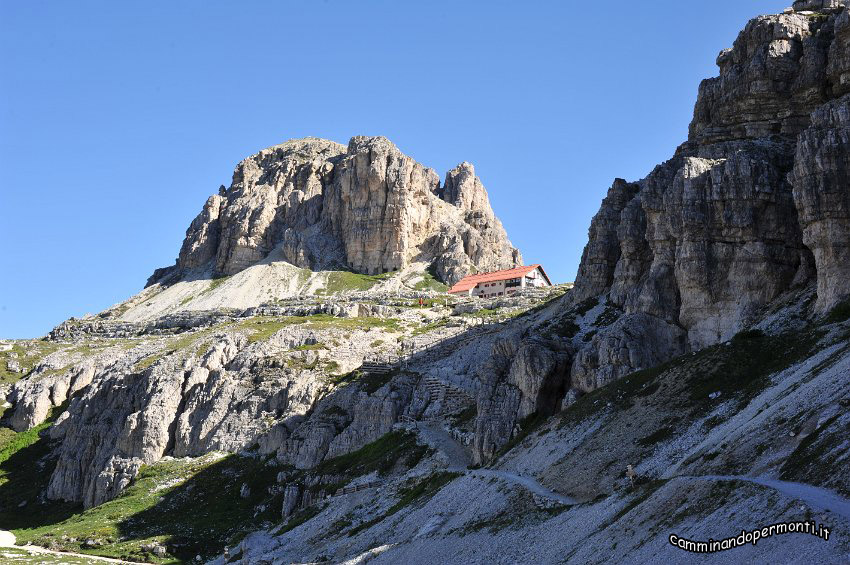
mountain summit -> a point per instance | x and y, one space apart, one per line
366 207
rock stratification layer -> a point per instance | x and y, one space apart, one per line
366 207
753 204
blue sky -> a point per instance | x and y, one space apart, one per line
119 119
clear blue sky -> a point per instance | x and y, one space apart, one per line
119 119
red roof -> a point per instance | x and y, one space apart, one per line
471 281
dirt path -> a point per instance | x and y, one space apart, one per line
7 539
525 482
815 497
459 458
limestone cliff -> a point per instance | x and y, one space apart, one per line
365 207
754 203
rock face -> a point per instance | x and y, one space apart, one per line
631 343
753 204
521 378
366 207
182 405
821 178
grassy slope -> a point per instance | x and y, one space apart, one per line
10 555
38 350
430 282
341 281
261 328
193 507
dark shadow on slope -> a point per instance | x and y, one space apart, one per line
207 512
26 464
228 499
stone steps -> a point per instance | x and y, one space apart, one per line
375 368
450 397
358 487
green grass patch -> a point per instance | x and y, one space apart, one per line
642 493
466 415
325 321
29 354
539 307
337 411
744 366
526 426
26 464
193 508
424 488
584 307
565 328
493 524
739 370
300 517
608 316
482 313
303 276
262 328
430 282
342 281
182 343
809 460
22 557
214 284
427 303
309 347
382 455
620 393
368 382
424 329
12 442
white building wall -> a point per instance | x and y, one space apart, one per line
535 279
500 288
490 289
496 288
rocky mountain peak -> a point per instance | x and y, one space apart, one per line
365 207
